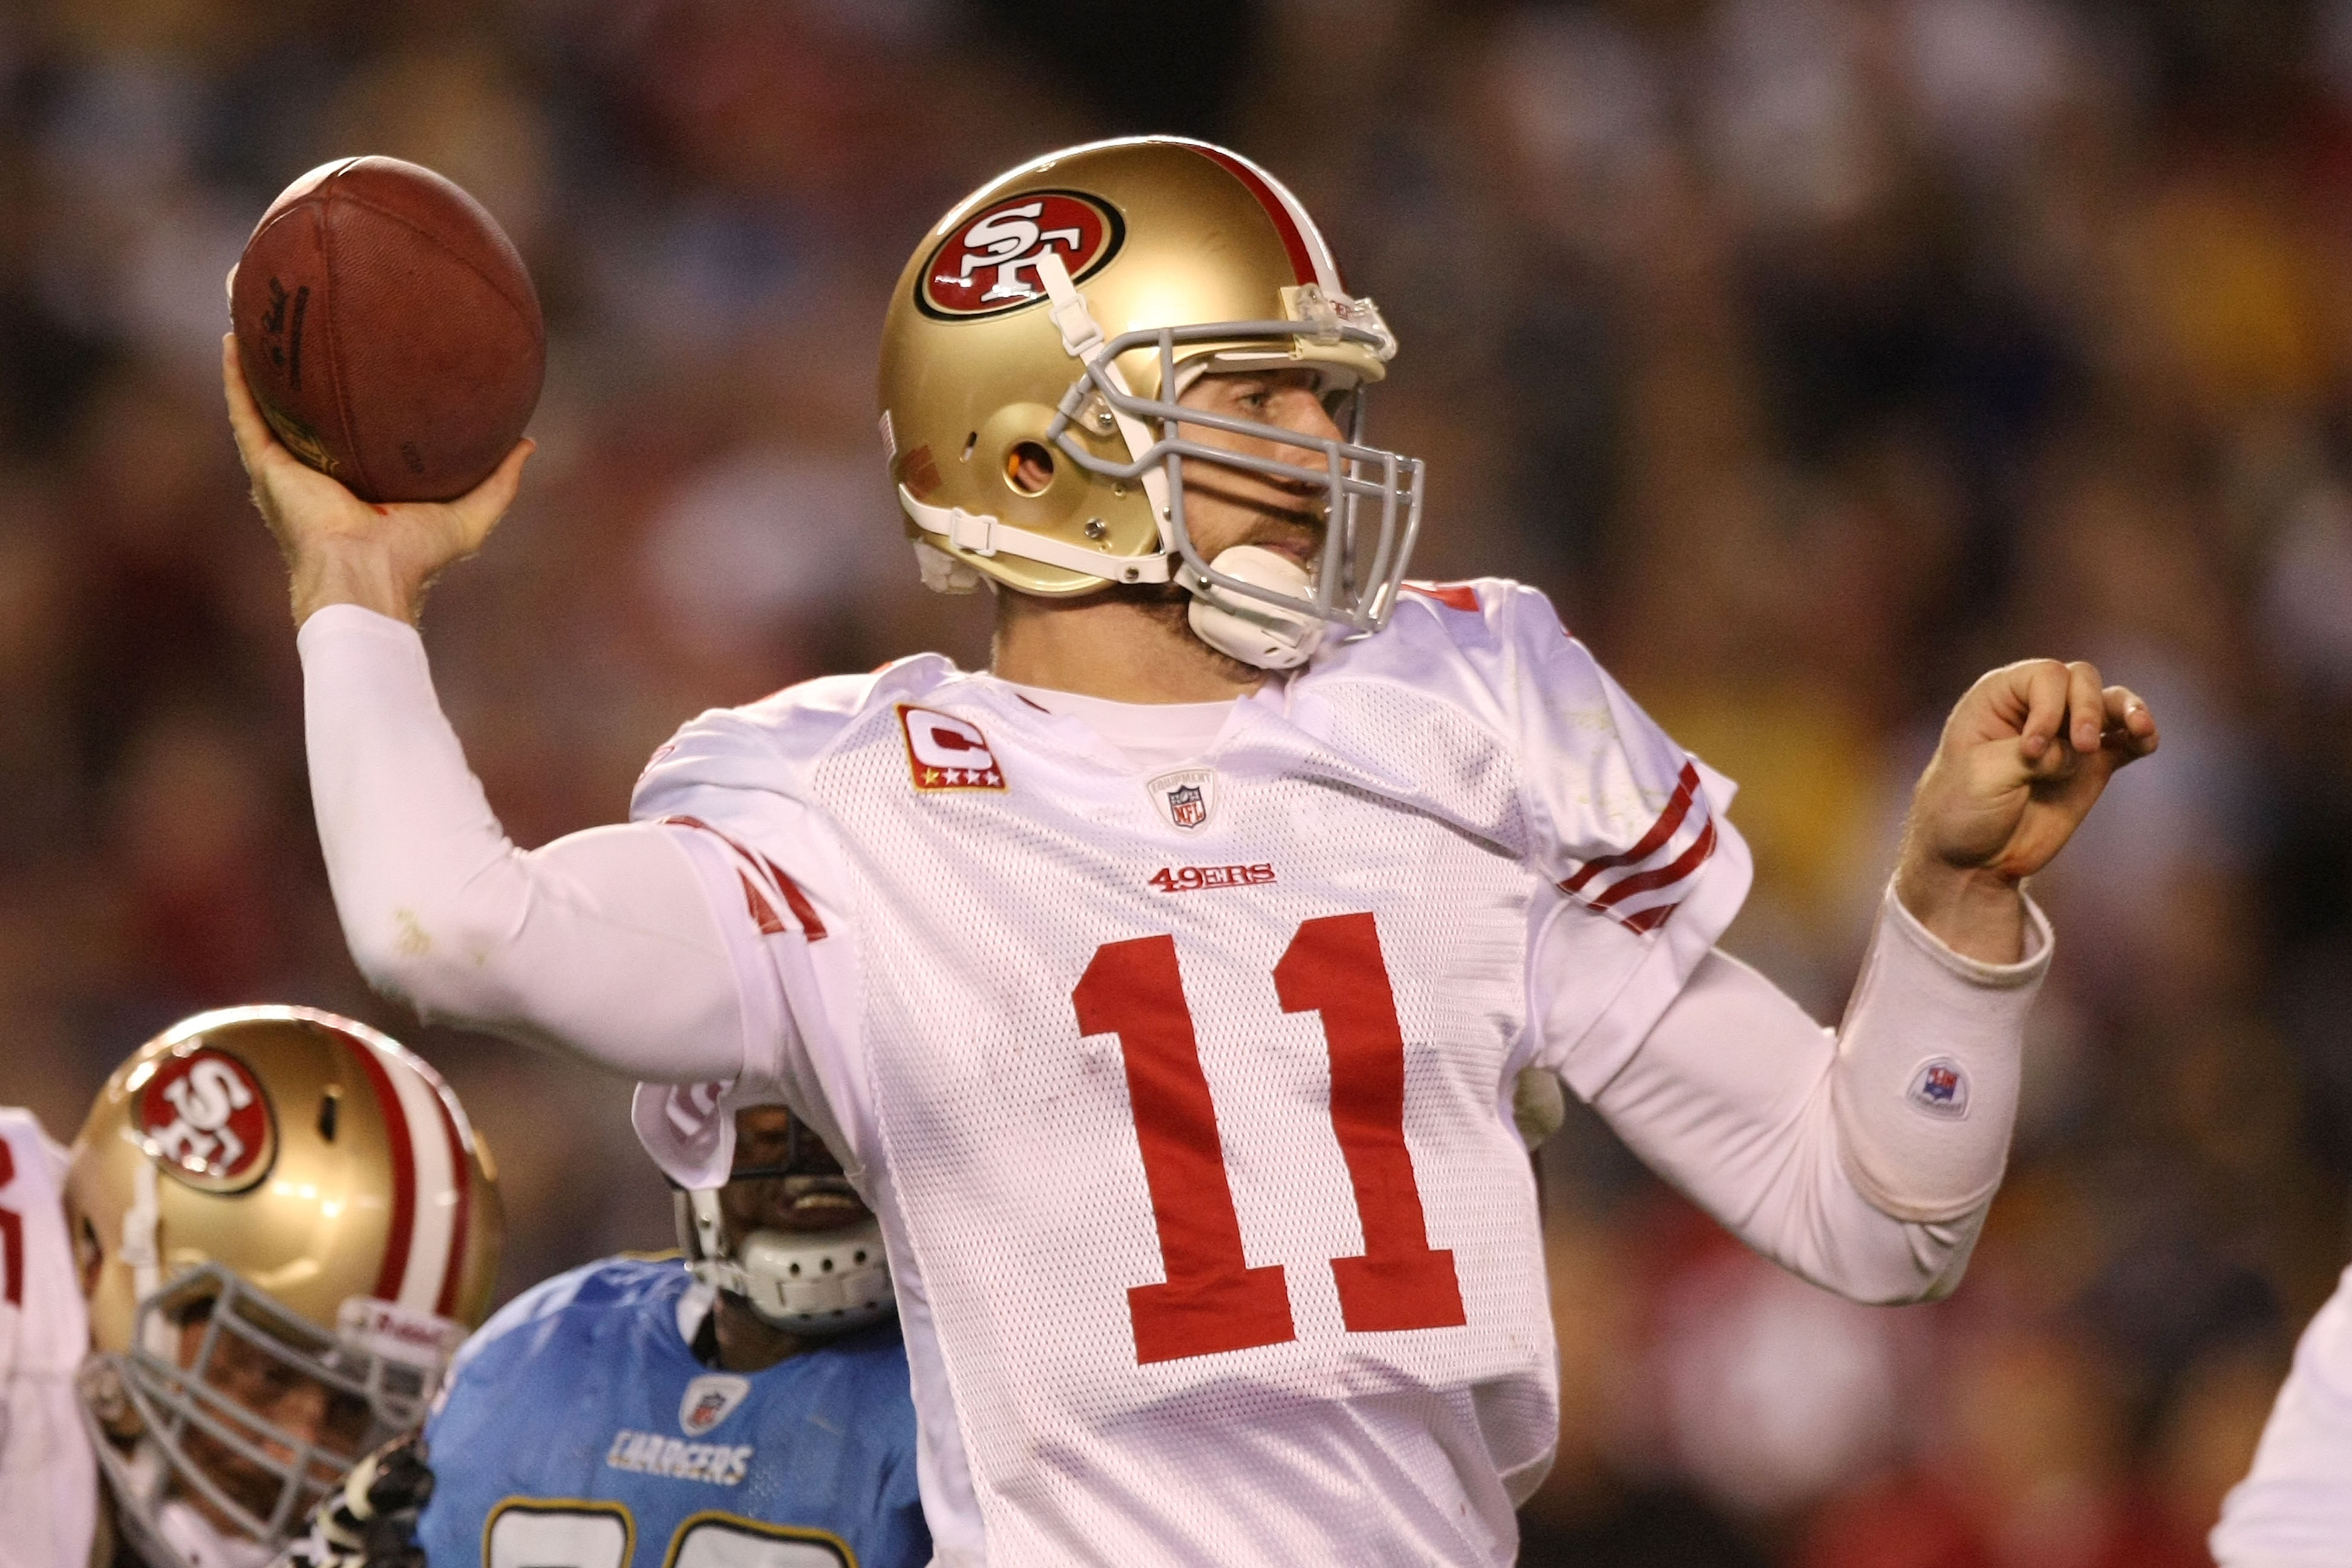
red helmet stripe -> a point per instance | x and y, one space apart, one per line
1295 235
461 1176
404 1173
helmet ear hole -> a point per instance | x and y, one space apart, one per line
1029 467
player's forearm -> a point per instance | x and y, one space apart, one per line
600 944
1811 1147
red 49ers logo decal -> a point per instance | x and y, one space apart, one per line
989 264
205 1117
947 754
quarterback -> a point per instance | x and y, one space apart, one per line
1165 987
251 1269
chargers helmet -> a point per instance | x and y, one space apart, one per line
828 1276
285 1226
1066 304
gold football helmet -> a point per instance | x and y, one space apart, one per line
285 1226
1067 305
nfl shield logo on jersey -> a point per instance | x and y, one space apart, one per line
710 1399
1186 797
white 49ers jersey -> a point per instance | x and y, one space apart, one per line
1185 1098
49 1482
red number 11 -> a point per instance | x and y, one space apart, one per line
1213 1300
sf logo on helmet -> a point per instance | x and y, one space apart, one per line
206 1119
988 265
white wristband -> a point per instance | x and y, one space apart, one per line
1928 1063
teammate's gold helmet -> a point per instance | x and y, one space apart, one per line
1065 305
269 1203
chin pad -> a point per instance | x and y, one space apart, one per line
1267 636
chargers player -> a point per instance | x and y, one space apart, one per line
271 1232
1165 987
750 1408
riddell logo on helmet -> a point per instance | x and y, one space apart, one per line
205 1117
989 265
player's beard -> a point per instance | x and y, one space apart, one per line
1170 603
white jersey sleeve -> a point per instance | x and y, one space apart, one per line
2294 1510
600 943
1641 869
727 787
48 1481
1645 870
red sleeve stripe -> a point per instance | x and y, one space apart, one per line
763 912
1669 821
1453 595
1682 865
802 911
1648 920
1607 883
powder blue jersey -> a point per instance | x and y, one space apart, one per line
581 1432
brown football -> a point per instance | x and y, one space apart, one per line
388 329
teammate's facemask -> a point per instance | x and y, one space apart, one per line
239 1415
286 1225
818 1281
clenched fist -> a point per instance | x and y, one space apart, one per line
2023 757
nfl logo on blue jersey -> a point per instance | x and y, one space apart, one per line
709 1400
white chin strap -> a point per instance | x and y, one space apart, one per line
979 534
141 1251
812 1282
1265 636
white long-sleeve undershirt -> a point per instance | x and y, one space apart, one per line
1820 1150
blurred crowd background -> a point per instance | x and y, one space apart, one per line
1815 355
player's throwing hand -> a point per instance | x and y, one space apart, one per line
341 549
2024 756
